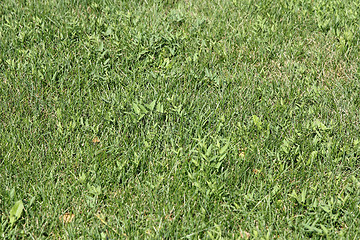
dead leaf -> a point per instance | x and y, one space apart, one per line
244 234
67 217
96 140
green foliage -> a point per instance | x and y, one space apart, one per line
15 212
179 119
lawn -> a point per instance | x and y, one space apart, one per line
179 119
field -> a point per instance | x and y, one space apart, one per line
188 119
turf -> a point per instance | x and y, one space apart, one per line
206 119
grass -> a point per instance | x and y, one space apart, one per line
179 119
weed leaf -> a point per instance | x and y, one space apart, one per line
16 211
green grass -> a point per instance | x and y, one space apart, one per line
185 119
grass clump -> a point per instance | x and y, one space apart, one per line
179 119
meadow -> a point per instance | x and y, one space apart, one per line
179 119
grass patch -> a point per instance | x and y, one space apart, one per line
179 119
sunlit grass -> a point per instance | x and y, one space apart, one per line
179 119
